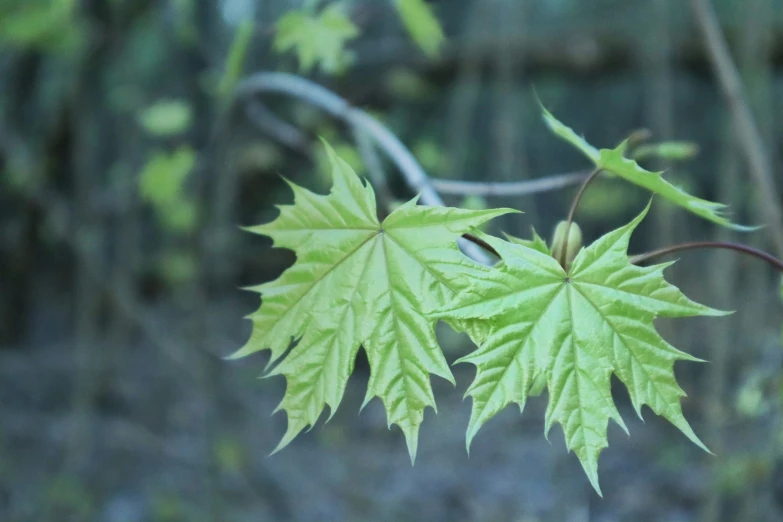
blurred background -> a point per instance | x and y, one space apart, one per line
127 166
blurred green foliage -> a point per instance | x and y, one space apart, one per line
161 184
422 25
737 472
166 118
750 401
404 84
319 39
609 198
667 150
67 499
230 454
46 25
429 154
236 59
164 175
168 507
184 20
177 265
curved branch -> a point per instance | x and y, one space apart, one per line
594 174
776 263
509 188
360 121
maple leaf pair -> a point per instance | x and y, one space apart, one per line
359 282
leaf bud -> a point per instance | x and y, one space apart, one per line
564 249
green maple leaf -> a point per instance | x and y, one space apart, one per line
358 281
317 38
577 329
615 162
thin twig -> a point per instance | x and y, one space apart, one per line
510 188
282 131
572 211
747 130
413 173
373 164
776 263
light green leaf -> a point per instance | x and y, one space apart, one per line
537 243
177 266
318 39
179 216
53 26
163 177
568 134
576 328
358 281
422 25
236 59
615 162
667 150
166 118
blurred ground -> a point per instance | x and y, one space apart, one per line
125 171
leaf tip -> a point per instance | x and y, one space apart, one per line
412 441
469 436
367 398
590 467
291 432
596 486
247 349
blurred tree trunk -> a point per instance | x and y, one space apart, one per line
657 71
754 61
207 177
466 93
88 235
723 269
755 56
510 159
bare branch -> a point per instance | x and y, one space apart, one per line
771 260
281 130
510 188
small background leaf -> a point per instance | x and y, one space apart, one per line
614 161
422 25
164 174
318 39
236 59
166 118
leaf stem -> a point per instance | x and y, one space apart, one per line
574 205
776 263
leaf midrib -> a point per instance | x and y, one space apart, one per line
524 344
346 308
396 320
317 281
622 340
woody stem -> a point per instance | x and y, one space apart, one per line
776 263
